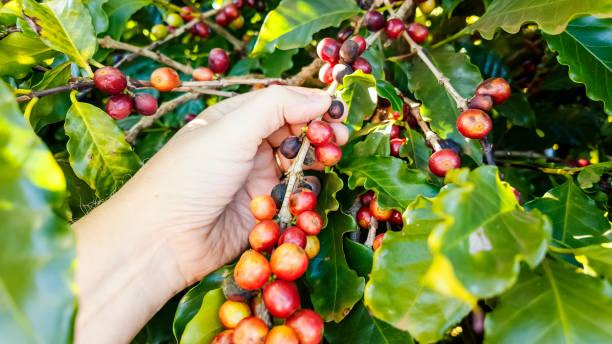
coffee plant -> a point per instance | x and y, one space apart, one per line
471 203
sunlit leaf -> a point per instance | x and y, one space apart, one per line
205 324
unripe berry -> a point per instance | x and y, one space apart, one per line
396 218
251 330
427 6
119 106
232 312
145 104
264 236
293 235
378 212
231 12
328 50
474 124
340 71
481 102
290 147
288 262
281 298
218 61
418 32
312 246
201 30
325 74
336 109
328 153
310 222
364 217
443 161
174 20
395 132
361 42
263 207
378 241
110 80
237 23
349 51
202 74
319 132
308 325
395 145
222 19
252 270
302 201
282 334
362 65
367 197
394 28
165 79
159 31
225 337
344 34
374 20
497 88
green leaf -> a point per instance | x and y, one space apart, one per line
64 25
98 152
596 259
584 47
119 12
376 58
592 174
358 256
555 306
36 286
416 150
98 16
359 94
280 61
327 202
375 143
576 219
395 184
399 266
359 327
151 143
19 52
387 91
551 15
292 24
81 198
484 236
205 324
334 287
52 108
517 110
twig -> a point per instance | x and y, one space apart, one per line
430 136
404 9
238 44
528 155
78 85
305 73
187 86
369 241
451 38
203 90
5 31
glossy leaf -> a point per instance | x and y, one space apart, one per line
51 109
275 64
387 91
98 16
592 174
596 259
556 301
37 296
376 58
119 12
358 256
326 202
576 219
19 52
334 287
293 22
551 16
517 110
359 94
98 152
375 143
416 150
205 324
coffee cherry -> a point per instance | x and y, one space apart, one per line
374 20
328 153
278 194
344 34
362 65
364 217
174 20
281 298
312 246
365 4
159 31
293 235
396 218
221 19
201 30
202 74
328 50
119 106
263 207
481 102
427 6
252 270
260 5
290 147
394 28
165 79
232 312
367 197
237 23
302 201
282 334
325 74
110 80
378 212
361 42
396 144
378 241
443 161
225 337
190 117
231 12
418 32
340 71
238 3
319 132
264 236
474 124
186 13
251 330
497 88
349 51
288 262
395 132
218 61
336 109
308 325
145 104
310 222
312 183
451 144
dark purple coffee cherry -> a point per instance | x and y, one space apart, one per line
340 70
374 20
336 109
349 51
278 194
290 147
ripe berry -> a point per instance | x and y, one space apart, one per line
364 217
344 34
312 246
308 325
278 193
201 30
367 197
119 106
310 222
145 104
378 241
110 80
443 161
319 132
396 218
231 12
378 212
252 270
302 201
281 298
225 337
497 88
218 61
395 132
186 13
340 71
288 262
427 6
474 124
362 65
238 3
290 147
481 102
282 334
394 28
190 117
222 19
374 20
325 74
165 79
336 109
328 50
232 312
349 51
174 20
293 235
159 31
396 144
263 207
361 42
264 236
251 330
202 74
328 153
418 32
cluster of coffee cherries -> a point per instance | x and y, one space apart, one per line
342 57
113 82
321 136
426 6
394 27
269 269
371 210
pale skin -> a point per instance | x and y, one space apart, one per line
185 213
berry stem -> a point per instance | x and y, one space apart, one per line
369 241
79 85
238 44
430 136
451 38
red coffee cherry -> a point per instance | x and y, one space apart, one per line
165 79
497 88
190 117
222 19
361 42
186 13
201 30
364 217
293 235
367 197
396 218
302 201
395 132
319 132
310 222
344 34
328 50
396 144
290 147
281 298
263 207
251 330
145 104
218 61
225 337
374 20
340 71
202 74
232 312
282 334
308 325
110 80
349 51
379 213
288 262
378 241
394 28
264 236
336 109
362 65
238 3
481 102
474 124
328 153
418 32
325 74
231 12
443 161
119 106
312 246
252 270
